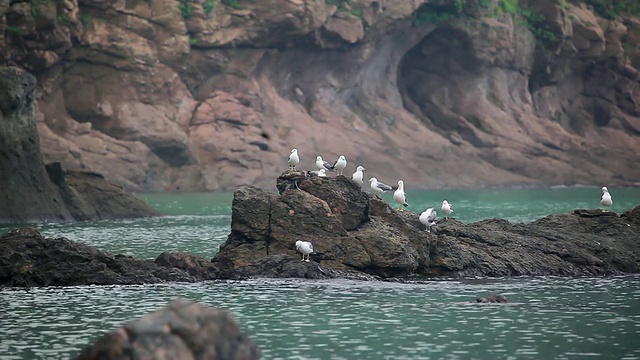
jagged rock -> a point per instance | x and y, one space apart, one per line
390 243
181 330
28 259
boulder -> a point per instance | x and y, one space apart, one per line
181 330
28 259
388 243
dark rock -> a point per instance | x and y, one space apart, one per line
26 193
181 330
31 191
29 259
196 266
289 180
493 299
390 243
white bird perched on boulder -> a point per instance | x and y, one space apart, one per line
294 159
446 208
428 218
305 248
378 187
358 176
399 195
340 164
320 173
321 164
606 199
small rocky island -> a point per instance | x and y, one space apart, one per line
355 235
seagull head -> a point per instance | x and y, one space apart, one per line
322 172
360 168
604 189
318 158
445 202
342 158
401 184
294 151
373 180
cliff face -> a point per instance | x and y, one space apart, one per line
208 95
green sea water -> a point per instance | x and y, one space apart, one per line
548 318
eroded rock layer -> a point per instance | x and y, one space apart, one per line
208 95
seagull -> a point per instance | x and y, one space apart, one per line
320 173
378 187
294 159
428 218
399 195
305 248
606 200
446 208
321 164
358 176
340 164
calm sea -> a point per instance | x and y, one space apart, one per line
549 317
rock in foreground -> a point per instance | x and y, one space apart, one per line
28 259
182 330
355 232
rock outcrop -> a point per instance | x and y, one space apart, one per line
28 259
181 330
352 231
31 191
210 95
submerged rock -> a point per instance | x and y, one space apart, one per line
29 259
493 299
355 232
181 330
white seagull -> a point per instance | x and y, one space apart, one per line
340 164
294 159
446 208
305 248
428 218
606 200
378 187
358 176
321 173
399 195
321 164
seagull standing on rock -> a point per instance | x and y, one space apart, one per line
294 159
378 187
321 164
606 199
446 208
428 218
399 195
358 176
305 248
340 164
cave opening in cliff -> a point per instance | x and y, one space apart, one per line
430 74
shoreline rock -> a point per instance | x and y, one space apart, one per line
27 259
181 330
31 191
356 232
355 236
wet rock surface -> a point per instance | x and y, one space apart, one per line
181 330
28 259
387 243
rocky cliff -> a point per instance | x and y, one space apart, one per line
31 191
212 94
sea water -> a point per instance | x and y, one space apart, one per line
547 318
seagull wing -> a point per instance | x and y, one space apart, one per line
328 166
384 187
